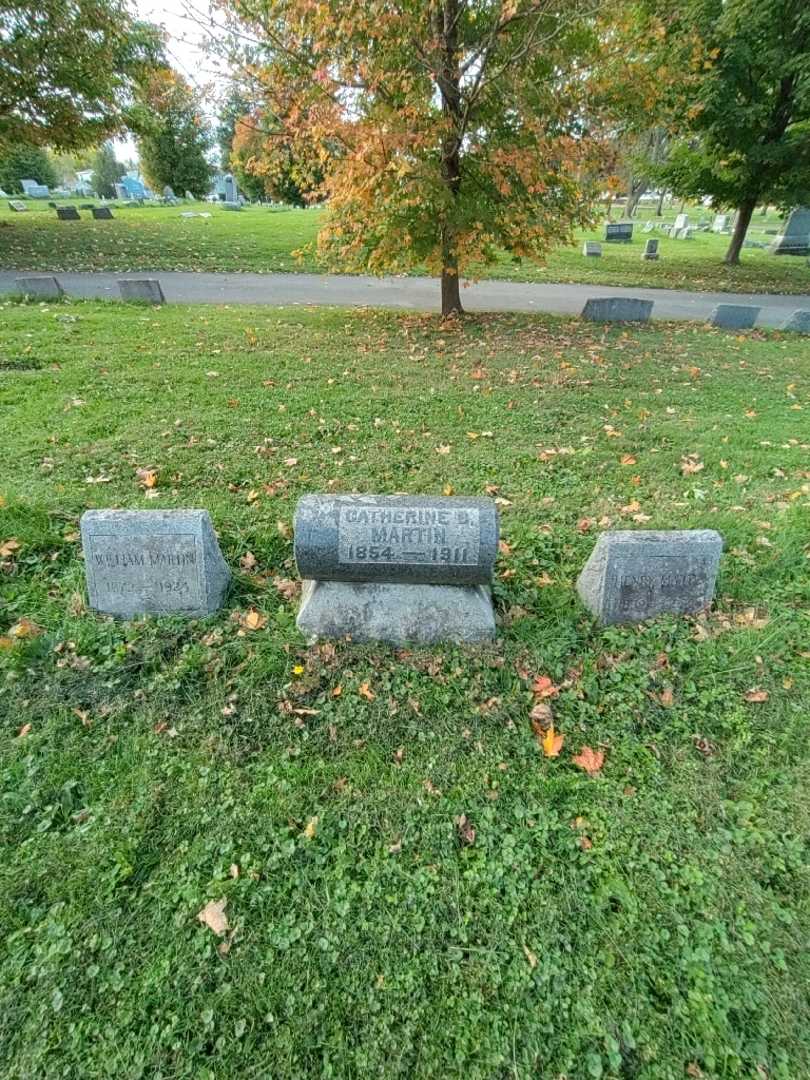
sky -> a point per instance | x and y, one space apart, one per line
184 49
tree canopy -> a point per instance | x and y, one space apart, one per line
25 162
69 69
444 130
176 138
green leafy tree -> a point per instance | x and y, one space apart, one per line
174 146
69 70
25 162
107 171
738 95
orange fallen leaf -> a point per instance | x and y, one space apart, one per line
213 916
8 547
552 743
756 695
24 730
25 628
590 760
338 690
148 477
253 620
311 829
543 687
627 459
365 691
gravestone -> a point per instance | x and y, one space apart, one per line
795 237
650 249
35 190
121 192
153 562
619 232
682 234
396 568
189 196
17 205
231 206
617 309
633 576
799 322
67 213
40 287
87 206
592 249
147 289
648 226
734 316
681 222
102 213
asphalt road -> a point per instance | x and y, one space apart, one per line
410 293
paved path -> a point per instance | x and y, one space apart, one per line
411 293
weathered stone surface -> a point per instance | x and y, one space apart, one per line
396 613
68 213
618 232
40 287
650 252
734 316
681 222
231 206
396 538
102 213
147 289
153 562
799 322
632 576
795 237
617 309
17 205
720 223
592 249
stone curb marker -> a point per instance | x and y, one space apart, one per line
148 289
799 322
617 309
635 575
153 562
40 287
396 568
734 316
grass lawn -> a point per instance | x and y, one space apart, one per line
650 922
260 239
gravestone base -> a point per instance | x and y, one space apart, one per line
799 322
734 316
617 309
145 289
396 613
42 287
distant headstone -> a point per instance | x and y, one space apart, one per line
617 309
681 234
231 206
734 316
650 252
619 232
17 205
102 213
35 190
648 226
147 289
121 192
720 223
68 213
153 562
87 206
168 192
795 237
799 322
592 248
396 568
681 222
189 196
3 194
633 576
39 287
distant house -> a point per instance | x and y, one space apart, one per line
84 183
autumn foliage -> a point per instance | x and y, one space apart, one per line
443 130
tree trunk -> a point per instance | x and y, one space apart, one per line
744 213
660 211
449 80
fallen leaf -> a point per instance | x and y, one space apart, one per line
286 587
666 697
365 691
25 628
213 916
311 829
253 620
248 561
589 760
447 489
147 478
756 695
284 530
627 459
541 716
337 691
543 687
466 830
552 743
8 547
24 730
530 956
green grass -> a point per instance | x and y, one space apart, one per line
261 239
162 753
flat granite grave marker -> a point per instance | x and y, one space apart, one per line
41 287
617 309
635 575
102 213
734 316
592 248
17 205
619 232
147 289
799 322
153 562
650 252
396 568
68 213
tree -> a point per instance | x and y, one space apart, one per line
741 105
444 129
266 165
25 162
173 147
235 106
69 68
107 171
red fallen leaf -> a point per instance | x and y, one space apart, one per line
755 695
543 687
584 524
590 760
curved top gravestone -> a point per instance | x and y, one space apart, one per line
407 539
